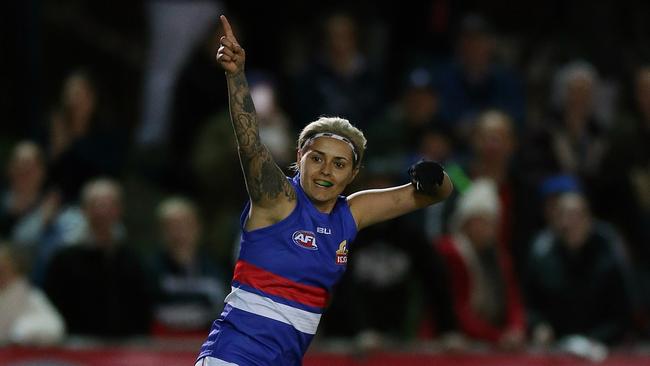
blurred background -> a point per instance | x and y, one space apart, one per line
121 188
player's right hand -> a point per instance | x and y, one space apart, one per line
231 56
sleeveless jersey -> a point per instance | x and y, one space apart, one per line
281 285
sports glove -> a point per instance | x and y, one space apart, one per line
426 176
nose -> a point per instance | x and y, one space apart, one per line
326 169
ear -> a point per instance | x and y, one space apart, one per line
355 171
298 156
295 166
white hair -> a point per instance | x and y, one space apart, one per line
574 70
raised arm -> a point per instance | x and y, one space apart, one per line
272 196
430 184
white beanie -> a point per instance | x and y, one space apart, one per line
481 198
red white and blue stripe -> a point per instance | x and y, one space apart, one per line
280 287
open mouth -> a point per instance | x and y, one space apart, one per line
324 183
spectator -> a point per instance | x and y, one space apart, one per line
484 288
26 210
577 137
82 143
190 287
625 197
339 81
475 81
166 160
571 140
577 266
26 315
175 28
551 190
30 215
494 156
100 286
398 133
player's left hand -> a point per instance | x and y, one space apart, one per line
427 176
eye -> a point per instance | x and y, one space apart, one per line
316 158
339 164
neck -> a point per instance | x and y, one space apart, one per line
103 236
575 120
324 207
183 257
24 199
182 253
475 73
344 65
495 169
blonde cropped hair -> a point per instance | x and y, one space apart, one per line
338 126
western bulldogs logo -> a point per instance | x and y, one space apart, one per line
342 253
305 239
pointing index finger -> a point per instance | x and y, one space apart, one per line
226 28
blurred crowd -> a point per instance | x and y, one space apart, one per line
122 190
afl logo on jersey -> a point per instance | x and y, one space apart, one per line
305 239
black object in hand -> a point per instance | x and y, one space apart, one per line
426 176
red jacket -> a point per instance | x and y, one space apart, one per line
468 320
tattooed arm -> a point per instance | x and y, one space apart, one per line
272 196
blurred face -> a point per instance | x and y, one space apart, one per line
494 139
326 168
180 229
435 146
103 208
79 100
26 170
574 220
341 36
481 230
642 93
476 52
420 106
579 101
580 91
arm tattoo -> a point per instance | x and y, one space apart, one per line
265 181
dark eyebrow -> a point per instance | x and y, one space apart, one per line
336 157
